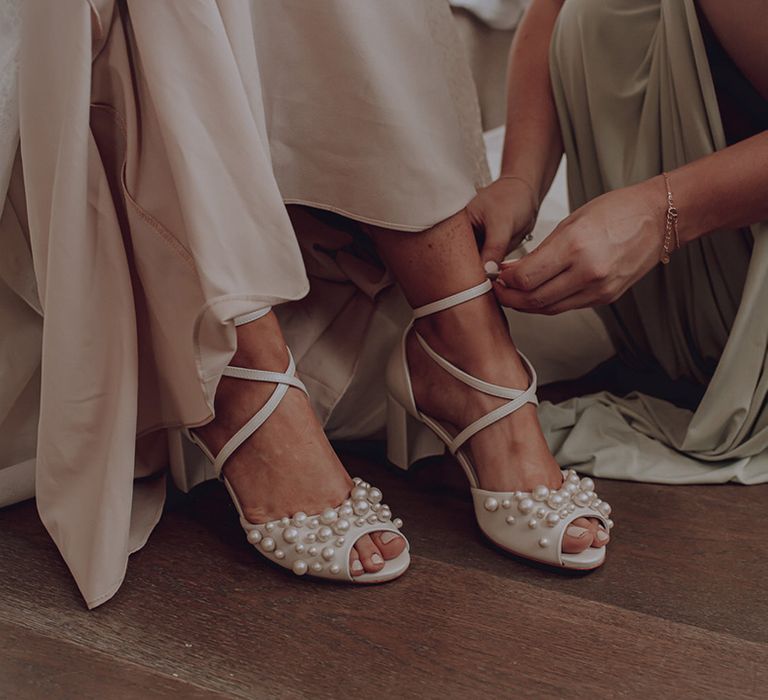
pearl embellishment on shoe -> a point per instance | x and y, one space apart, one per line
491 504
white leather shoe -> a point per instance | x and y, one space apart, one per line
317 545
527 524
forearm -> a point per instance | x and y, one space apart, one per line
728 189
533 146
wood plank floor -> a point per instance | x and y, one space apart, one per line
680 609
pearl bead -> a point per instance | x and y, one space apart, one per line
525 506
555 500
573 478
285 522
299 567
254 536
313 551
335 569
339 541
346 511
533 523
398 523
311 537
506 504
571 507
376 507
356 480
317 567
358 493
313 523
519 496
491 504
372 518
360 522
269 527
541 512
596 503
605 509
300 519
609 523
361 507
384 514
299 548
374 495
543 542
540 493
581 499
341 526
324 533
510 520
328 553
329 516
268 544
553 519
279 554
290 535
587 484
570 489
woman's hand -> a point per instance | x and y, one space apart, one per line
593 256
503 214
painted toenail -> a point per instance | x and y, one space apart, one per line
576 531
602 536
357 567
387 537
377 558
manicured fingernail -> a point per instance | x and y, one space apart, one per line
576 531
387 537
357 567
491 268
602 536
376 558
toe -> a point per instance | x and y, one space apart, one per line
370 556
390 544
602 537
578 536
355 565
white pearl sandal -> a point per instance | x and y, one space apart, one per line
316 545
527 524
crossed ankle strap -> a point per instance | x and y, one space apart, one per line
518 397
284 380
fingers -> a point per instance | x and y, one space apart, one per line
546 295
498 239
536 268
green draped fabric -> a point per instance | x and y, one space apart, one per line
635 96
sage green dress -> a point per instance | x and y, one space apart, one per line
635 96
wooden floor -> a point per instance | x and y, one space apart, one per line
680 609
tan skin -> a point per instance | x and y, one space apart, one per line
607 245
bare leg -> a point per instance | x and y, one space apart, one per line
512 453
288 465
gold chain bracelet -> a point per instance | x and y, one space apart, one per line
671 235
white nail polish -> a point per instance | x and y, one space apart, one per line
491 269
387 537
377 558
602 535
357 567
576 531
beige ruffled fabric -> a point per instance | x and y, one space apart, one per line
159 141
635 96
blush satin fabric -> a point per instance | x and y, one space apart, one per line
159 144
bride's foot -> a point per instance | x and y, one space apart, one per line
511 454
287 465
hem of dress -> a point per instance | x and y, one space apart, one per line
409 228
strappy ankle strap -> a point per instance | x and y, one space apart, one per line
453 300
517 397
284 380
